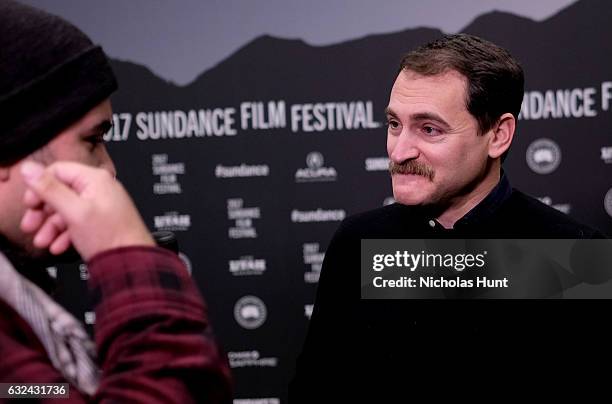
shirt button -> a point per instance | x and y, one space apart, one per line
432 223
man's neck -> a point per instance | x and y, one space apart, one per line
462 205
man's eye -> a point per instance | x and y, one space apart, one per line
393 124
95 140
431 131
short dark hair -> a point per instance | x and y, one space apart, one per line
495 79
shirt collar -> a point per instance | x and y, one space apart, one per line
489 205
481 212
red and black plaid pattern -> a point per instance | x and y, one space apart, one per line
152 334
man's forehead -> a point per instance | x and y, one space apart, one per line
445 92
443 76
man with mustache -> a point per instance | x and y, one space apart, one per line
451 117
153 341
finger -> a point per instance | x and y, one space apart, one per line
31 200
75 175
32 220
51 190
60 244
49 231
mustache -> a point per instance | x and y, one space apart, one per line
412 167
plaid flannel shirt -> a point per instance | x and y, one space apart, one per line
152 335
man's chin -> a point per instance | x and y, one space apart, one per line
410 197
412 190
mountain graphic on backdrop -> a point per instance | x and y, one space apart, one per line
269 68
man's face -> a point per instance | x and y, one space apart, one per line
81 142
432 133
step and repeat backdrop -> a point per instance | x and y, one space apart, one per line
254 163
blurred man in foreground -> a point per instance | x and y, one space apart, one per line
153 342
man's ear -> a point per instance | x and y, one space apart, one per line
5 173
502 135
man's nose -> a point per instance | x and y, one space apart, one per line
404 149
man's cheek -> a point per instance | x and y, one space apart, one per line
392 141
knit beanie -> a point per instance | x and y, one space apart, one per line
51 74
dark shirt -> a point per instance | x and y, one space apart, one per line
432 342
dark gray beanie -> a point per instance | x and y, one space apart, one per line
51 74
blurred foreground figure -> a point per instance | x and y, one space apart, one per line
153 342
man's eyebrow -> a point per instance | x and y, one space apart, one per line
430 116
389 111
422 116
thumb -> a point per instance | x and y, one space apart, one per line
50 189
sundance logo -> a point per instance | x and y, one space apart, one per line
168 182
172 221
313 259
315 171
243 217
319 215
242 171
